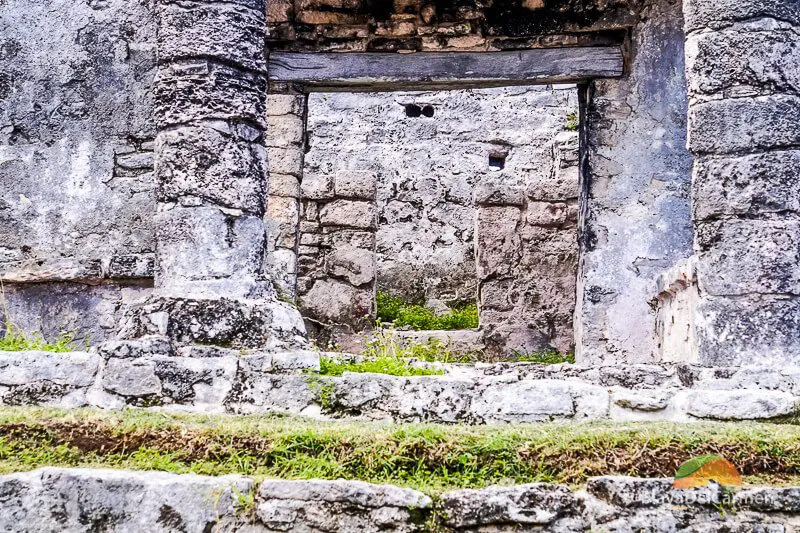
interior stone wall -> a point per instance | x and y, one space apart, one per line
419 156
637 222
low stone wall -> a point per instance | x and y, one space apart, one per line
149 373
56 499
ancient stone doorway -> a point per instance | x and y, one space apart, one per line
458 201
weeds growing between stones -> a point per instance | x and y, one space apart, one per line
402 314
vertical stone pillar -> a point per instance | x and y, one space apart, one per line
211 167
743 74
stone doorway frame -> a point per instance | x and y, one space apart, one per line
292 76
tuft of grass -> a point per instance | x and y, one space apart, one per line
549 357
403 314
572 122
427 457
16 340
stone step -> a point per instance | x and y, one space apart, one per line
77 500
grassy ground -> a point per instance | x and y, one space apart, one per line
414 316
431 458
16 340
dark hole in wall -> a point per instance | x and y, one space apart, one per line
414 111
497 161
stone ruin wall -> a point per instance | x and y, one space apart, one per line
63 268
393 202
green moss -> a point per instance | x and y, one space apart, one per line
16 340
427 457
414 316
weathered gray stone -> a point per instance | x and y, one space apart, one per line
189 248
630 492
744 62
332 301
744 124
740 404
349 213
536 504
232 33
213 164
131 377
142 347
642 400
257 391
75 369
532 401
747 185
339 506
702 14
741 257
73 500
358 184
199 89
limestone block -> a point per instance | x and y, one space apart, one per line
700 14
433 399
317 186
349 213
631 493
258 392
131 377
356 265
333 301
744 124
199 89
232 33
51 270
498 194
497 241
525 401
285 160
742 62
642 400
142 347
749 256
740 404
61 499
205 243
74 369
747 185
214 164
547 214
247 323
284 131
199 382
358 184
532 505
284 104
339 506
364 392
769 499
457 341
284 185
296 360
748 330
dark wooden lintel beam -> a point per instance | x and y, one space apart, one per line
443 70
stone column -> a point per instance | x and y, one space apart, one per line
743 74
211 167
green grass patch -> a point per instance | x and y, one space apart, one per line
551 357
16 340
427 457
392 366
403 314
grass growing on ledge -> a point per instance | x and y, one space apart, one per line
383 355
16 340
547 357
427 457
403 314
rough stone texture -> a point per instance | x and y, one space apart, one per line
637 216
741 405
76 158
73 500
76 500
340 505
741 63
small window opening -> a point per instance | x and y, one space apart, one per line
497 161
